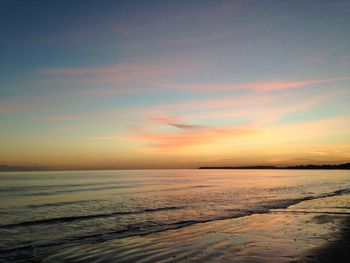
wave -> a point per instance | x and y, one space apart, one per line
86 217
36 187
58 204
41 190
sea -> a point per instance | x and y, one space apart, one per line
44 212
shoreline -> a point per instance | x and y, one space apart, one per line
318 232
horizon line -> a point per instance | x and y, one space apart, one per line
9 168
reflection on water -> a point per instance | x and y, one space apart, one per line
46 210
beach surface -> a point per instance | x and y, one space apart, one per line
175 216
310 231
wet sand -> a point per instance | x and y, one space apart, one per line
338 251
311 231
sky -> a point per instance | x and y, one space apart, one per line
174 84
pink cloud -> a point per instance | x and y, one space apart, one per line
15 104
262 86
165 118
121 113
5 107
67 117
257 108
158 74
256 105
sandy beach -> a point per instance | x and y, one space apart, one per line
310 231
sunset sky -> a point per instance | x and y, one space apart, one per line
174 84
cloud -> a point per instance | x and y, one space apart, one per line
125 113
187 126
161 74
175 121
169 141
164 119
261 117
186 135
147 72
255 109
16 104
5 107
261 86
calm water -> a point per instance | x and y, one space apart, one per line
43 211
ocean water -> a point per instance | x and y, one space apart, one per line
43 212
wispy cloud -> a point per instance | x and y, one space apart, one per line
258 108
185 135
175 121
161 74
5 107
16 104
188 126
260 111
104 115
143 71
262 86
260 118
169 141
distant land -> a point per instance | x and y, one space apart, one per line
343 166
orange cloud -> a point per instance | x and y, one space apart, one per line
169 141
187 135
